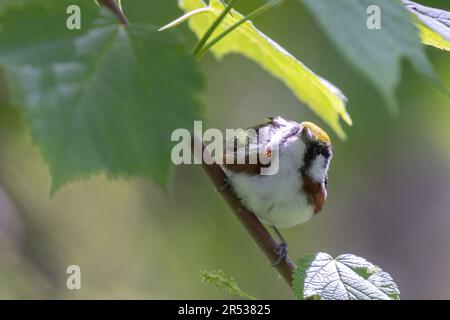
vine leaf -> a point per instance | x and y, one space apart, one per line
101 99
323 98
377 53
347 277
436 19
219 280
434 24
432 38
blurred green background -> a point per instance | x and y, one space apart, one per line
389 197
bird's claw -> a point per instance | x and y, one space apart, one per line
282 253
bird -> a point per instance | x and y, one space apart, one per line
296 189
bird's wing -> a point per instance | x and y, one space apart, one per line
251 149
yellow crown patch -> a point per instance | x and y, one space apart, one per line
317 132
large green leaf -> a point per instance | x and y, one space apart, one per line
378 52
347 277
322 97
101 99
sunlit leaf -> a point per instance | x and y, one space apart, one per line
434 24
322 97
432 38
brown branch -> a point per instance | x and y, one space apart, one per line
251 223
114 7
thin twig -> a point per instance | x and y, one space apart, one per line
248 17
251 223
115 8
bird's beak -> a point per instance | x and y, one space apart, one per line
306 135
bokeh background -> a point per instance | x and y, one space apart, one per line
389 197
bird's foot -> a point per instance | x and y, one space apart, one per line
282 253
225 186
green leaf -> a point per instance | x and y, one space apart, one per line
219 280
378 52
434 25
347 277
436 19
105 98
322 97
432 38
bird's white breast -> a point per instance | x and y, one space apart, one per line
278 199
